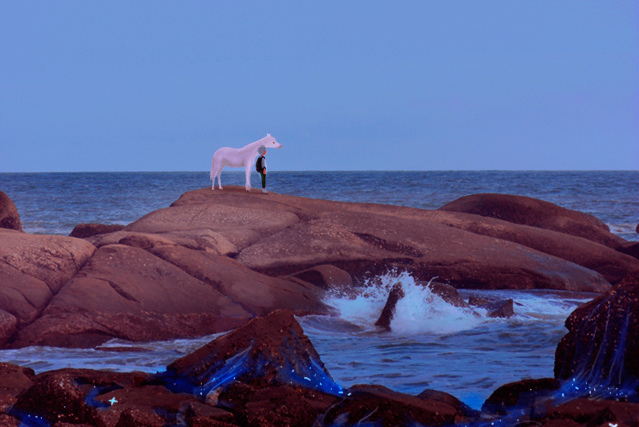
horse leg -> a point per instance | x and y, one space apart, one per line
219 178
247 169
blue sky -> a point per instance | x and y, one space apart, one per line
343 85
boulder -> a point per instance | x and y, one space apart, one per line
388 312
536 213
503 308
86 230
520 394
267 351
14 380
602 345
9 217
612 264
128 293
378 405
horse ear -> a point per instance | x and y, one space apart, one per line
268 134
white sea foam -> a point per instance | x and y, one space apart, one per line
420 311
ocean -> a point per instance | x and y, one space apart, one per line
432 345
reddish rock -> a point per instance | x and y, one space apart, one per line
380 405
520 394
593 412
503 308
9 217
257 293
612 264
87 230
631 249
129 293
267 351
388 312
447 293
602 345
8 326
14 380
536 213
325 276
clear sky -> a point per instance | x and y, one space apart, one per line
343 85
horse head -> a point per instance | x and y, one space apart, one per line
270 142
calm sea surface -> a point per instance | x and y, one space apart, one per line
432 344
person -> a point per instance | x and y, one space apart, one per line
260 166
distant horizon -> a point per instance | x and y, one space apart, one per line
240 171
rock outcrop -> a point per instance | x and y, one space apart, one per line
602 345
9 216
536 213
87 230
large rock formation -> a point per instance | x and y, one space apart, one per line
602 345
536 213
9 217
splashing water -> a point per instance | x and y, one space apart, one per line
420 311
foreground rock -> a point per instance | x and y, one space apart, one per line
602 345
9 216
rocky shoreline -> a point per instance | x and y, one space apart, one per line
215 261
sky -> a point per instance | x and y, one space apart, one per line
342 85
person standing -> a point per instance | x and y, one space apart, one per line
260 166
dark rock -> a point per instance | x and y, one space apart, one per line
9 217
14 380
536 213
502 308
520 394
379 405
87 230
602 345
447 293
594 412
631 249
396 293
267 351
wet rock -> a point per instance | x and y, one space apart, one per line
536 213
379 405
593 412
447 293
129 293
9 216
267 351
86 230
14 380
520 394
503 308
388 312
602 345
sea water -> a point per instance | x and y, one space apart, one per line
432 344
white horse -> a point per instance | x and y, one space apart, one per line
239 157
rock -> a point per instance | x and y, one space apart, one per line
631 249
503 308
520 394
267 351
8 326
86 230
129 293
536 213
602 345
379 405
14 380
9 217
50 259
275 406
32 269
593 412
396 293
257 293
447 293
326 277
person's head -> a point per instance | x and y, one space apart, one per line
262 151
